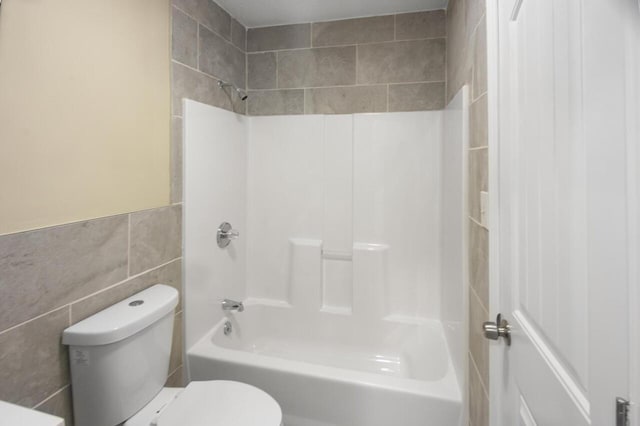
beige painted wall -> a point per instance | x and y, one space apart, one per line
84 109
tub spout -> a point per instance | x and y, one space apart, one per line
232 305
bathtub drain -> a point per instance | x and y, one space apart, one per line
227 328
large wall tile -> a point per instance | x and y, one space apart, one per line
209 14
478 136
418 25
184 39
327 66
478 179
156 237
276 102
44 269
170 274
238 35
353 31
479 261
480 61
176 159
475 11
176 343
280 37
416 96
175 379
33 362
262 70
221 59
191 84
478 344
402 61
59 404
346 100
456 47
478 401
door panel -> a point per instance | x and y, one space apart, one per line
562 226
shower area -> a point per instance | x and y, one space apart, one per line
348 261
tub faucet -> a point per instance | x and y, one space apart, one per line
232 305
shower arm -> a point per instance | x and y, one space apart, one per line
241 93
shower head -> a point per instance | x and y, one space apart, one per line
241 93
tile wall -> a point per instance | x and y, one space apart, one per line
467 64
208 44
377 64
53 277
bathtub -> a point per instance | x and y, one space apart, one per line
331 369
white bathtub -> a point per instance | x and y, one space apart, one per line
332 369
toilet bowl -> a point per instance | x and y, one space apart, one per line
210 403
119 361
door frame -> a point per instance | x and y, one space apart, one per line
633 135
496 357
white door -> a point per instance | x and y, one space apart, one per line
563 101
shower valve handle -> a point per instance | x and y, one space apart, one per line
225 234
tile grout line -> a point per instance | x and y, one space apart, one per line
68 305
388 89
205 26
473 219
395 27
37 317
52 395
206 75
349 85
475 293
477 370
334 46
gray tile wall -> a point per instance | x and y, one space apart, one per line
467 64
382 63
208 44
53 277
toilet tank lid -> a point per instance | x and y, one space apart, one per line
123 319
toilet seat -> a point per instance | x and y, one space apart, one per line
221 403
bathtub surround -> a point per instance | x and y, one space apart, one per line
467 64
339 219
54 277
377 64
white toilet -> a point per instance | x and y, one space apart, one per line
120 360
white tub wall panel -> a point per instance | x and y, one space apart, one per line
285 197
454 274
337 279
338 181
215 153
396 202
305 274
371 280
337 284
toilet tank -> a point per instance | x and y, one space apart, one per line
119 357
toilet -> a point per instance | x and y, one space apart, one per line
119 361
